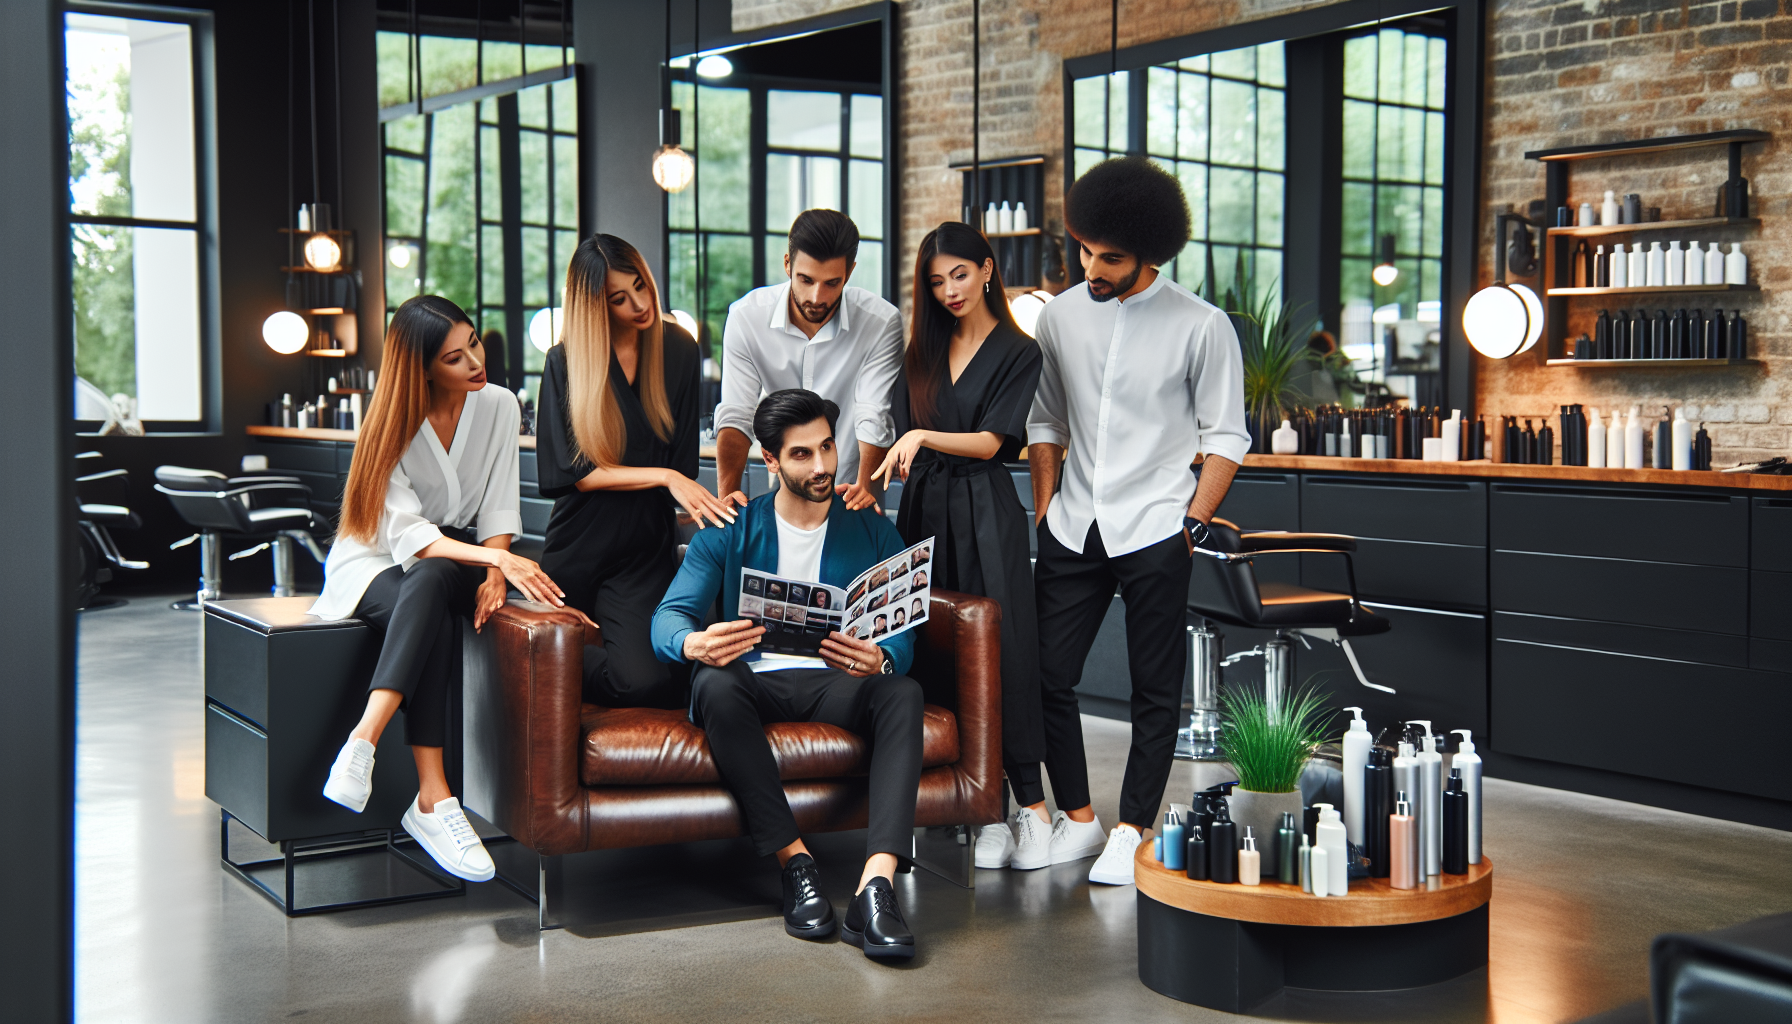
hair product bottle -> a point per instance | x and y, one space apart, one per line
1657 266
1306 863
1321 871
1595 441
1602 268
1356 758
1736 265
1614 442
1695 264
1620 267
1288 849
1682 440
1431 794
1664 440
1331 837
1714 265
1222 847
1608 210
1175 848
1468 763
1633 439
1196 855
1378 803
1250 862
1676 264
1455 825
1403 835
1637 275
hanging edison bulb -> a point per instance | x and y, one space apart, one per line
322 252
673 168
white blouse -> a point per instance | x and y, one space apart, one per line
473 480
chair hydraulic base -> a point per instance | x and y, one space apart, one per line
304 853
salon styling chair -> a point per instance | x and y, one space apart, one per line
1225 589
268 512
97 554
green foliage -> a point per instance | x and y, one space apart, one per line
1273 338
1269 753
104 286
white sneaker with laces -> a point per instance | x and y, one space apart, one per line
995 843
351 777
1074 840
1115 864
449 837
1032 842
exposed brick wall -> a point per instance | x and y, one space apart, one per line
1557 74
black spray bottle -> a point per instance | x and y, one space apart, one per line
1222 846
1288 849
1455 801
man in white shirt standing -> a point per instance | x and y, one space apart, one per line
817 333
1139 377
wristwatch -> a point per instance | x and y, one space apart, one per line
1198 532
889 664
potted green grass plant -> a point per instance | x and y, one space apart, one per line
1268 752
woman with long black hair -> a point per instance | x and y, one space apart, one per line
961 407
617 451
428 516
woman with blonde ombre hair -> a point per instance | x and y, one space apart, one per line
428 515
616 449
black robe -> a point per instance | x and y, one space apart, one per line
972 507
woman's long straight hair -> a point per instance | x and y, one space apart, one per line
928 361
399 407
591 409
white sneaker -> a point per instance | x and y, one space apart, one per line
995 843
1074 840
1115 865
1032 842
351 777
449 837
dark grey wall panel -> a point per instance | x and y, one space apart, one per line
1699 597
1623 638
1770 534
1658 525
1398 508
1629 714
1449 575
1770 605
1770 655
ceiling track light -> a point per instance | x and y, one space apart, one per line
1502 320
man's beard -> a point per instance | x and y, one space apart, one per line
815 312
811 487
1096 285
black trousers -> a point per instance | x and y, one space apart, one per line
733 704
624 672
418 615
1073 595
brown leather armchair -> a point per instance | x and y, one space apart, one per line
561 776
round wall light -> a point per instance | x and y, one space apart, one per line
322 252
1502 320
285 332
715 66
1026 309
544 327
686 321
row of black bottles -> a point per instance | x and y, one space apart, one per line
1385 433
1528 446
1633 334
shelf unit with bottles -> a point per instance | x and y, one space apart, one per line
1017 179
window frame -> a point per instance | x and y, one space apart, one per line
205 208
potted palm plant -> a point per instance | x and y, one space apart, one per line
1272 338
1268 751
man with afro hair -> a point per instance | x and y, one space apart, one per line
1139 378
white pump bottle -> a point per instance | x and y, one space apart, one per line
1469 763
1356 758
1633 439
1431 801
1330 837
1595 440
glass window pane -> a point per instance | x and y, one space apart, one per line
1432 221
404 197
868 126
1230 207
1435 63
566 181
1225 262
1117 116
1191 117
1240 63
566 105
1271 128
802 120
1359 139
1390 54
1417 71
1431 274
1434 149
1388 123
1357 235
866 206
1269 65
1160 111
532 107
491 263
1354 282
1191 267
105 308
1269 209
392 58
136 293
723 153
534 168
130 112
1359 67
1411 156
491 194
449 65
1194 187
541 57
450 214
681 273
1234 123
405 133
502 60
797 183
775 248
869 274
535 268
1268 276
1195 63
729 275
564 244
1090 100
1087 158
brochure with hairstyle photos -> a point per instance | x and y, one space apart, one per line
884 600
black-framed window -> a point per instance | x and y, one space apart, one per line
140 213
765 151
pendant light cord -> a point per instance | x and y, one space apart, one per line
1114 40
336 63
316 174
977 115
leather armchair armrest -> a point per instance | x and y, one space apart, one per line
958 662
522 699
1304 542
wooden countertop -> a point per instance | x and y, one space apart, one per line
1503 471
324 434
1371 901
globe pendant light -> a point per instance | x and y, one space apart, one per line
322 253
285 332
1502 320
1385 272
544 327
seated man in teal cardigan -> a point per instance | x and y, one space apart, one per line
803 531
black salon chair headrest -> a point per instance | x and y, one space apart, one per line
183 478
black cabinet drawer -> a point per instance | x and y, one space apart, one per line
1769 655
1707 598
1437 661
1453 575
1698 724
1660 526
1770 535
1624 638
1770 605
312 456
1443 512
1263 501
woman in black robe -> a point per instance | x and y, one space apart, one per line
616 449
961 408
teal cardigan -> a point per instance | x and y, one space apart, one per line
855 542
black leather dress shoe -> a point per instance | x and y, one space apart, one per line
874 923
807 913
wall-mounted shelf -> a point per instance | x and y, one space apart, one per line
1680 364
1015 179
1636 147
1658 225
331 353
1666 289
1014 234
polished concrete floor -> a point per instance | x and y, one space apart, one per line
164 935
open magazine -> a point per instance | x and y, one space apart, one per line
884 600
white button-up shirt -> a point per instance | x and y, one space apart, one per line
1134 390
852 361
474 479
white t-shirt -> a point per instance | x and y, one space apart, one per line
799 558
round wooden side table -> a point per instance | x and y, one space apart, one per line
1230 947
